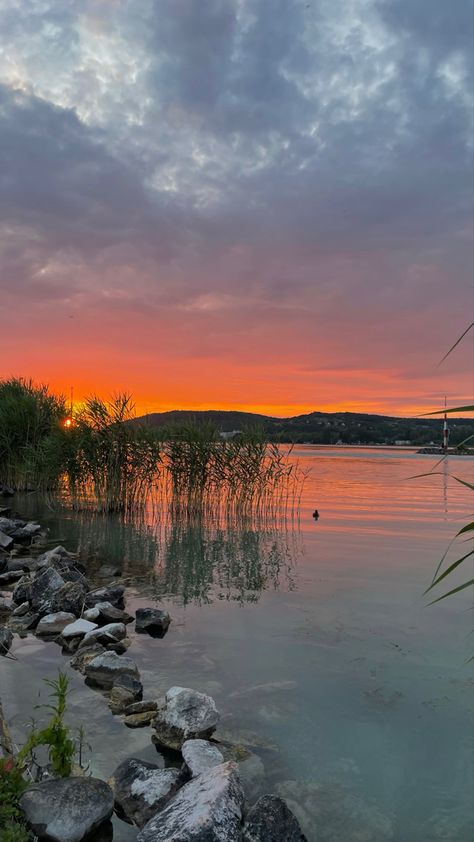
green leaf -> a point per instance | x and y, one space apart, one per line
469 527
463 482
455 590
448 571
450 411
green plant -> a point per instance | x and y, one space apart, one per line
55 735
31 434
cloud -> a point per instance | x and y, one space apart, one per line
245 177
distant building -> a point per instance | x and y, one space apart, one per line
230 434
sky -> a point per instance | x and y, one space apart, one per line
248 204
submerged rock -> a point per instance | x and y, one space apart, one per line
6 640
80 660
152 620
328 810
53 624
142 789
200 756
207 809
270 820
141 707
67 809
187 714
139 720
104 669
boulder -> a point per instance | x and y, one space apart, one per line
104 612
207 809
114 595
78 628
80 660
70 597
187 714
67 809
6 640
111 633
43 587
270 820
153 621
53 624
10 577
125 691
142 789
105 668
200 756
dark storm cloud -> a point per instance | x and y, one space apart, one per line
312 155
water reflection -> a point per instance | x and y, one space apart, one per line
193 557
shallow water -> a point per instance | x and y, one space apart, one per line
313 636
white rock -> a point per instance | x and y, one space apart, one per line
78 628
200 756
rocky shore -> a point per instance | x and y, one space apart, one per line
201 798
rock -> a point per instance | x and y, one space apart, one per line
141 707
71 597
78 628
6 541
114 595
104 612
200 756
85 656
270 820
187 715
24 622
43 587
10 577
21 609
67 809
251 769
139 720
53 624
207 809
327 810
119 646
25 534
125 691
6 640
22 590
152 620
142 789
49 555
104 669
16 565
6 606
111 633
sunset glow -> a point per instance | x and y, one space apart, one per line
223 206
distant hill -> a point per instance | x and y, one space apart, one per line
323 427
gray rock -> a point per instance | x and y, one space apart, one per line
104 612
85 656
6 640
21 609
67 809
104 669
53 624
200 756
22 590
6 606
114 595
6 541
270 820
142 789
207 809
24 622
111 633
10 577
71 597
141 707
15 565
152 620
43 587
49 555
187 715
125 691
108 571
78 628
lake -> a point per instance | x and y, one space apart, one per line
354 698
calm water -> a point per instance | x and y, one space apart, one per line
355 699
